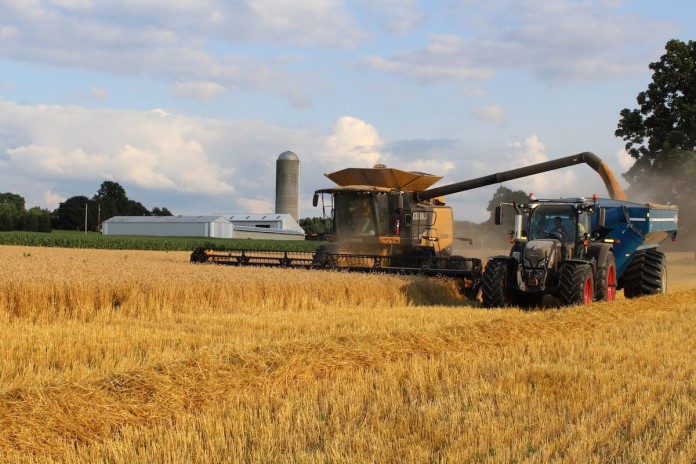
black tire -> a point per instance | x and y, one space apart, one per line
605 287
646 274
576 285
494 291
199 256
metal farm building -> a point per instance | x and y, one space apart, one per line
267 226
169 226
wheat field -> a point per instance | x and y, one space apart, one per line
121 357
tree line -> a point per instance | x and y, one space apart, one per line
75 213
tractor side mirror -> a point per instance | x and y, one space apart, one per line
601 217
315 200
498 215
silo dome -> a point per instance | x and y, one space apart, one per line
288 184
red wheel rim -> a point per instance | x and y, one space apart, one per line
611 283
587 294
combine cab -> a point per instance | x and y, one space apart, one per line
580 251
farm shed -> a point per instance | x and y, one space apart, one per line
266 226
169 226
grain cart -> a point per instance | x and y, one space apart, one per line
389 220
580 250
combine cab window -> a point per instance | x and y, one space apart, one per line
361 214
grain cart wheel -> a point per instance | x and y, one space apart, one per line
646 274
606 280
494 291
576 285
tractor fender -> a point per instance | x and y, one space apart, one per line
599 251
511 261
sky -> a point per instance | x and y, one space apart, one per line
187 104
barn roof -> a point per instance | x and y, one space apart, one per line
165 219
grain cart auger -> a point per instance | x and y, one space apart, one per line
579 251
388 220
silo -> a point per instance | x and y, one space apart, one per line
287 184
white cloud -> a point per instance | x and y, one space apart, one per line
200 90
492 113
354 142
256 205
51 200
550 184
559 41
441 60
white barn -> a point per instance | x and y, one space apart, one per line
266 226
169 226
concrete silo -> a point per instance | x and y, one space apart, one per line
287 184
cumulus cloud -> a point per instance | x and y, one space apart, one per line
52 200
493 113
148 149
559 41
354 142
546 185
171 40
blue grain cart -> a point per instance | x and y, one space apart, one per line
580 250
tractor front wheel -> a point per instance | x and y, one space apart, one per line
494 284
606 280
576 286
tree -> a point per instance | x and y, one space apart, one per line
505 195
157 211
37 220
112 199
71 214
315 226
661 134
11 211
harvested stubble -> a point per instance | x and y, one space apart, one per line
350 369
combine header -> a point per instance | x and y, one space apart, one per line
388 220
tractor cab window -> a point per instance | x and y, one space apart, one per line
360 214
557 222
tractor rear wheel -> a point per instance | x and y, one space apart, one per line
606 280
646 274
494 291
576 285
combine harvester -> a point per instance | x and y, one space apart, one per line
387 220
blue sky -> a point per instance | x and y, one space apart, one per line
188 103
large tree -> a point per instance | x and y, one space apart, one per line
661 134
11 211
